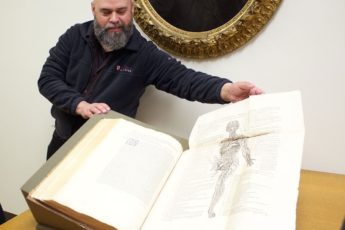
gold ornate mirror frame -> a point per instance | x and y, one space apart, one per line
213 43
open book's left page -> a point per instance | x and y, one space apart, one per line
113 175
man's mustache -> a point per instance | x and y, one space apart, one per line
115 26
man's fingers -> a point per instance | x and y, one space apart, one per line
87 110
86 114
99 108
256 91
104 108
243 85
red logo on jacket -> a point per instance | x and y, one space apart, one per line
123 68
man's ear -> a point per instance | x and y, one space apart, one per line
93 8
132 1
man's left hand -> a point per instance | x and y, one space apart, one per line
233 92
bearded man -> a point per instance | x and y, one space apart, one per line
105 64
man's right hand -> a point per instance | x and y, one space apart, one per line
87 110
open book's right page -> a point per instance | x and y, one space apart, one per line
241 171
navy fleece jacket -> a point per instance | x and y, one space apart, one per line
140 63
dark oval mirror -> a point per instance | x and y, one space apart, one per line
203 28
197 15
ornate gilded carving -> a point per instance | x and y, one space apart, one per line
219 41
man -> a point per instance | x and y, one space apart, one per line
105 64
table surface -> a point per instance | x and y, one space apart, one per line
321 204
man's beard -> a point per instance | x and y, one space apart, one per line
113 40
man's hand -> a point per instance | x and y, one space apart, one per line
233 92
87 110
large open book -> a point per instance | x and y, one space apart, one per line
241 171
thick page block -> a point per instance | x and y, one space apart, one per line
47 217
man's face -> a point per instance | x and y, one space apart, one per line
113 22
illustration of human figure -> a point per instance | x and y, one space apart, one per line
229 161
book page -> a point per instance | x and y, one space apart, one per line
257 115
118 180
242 170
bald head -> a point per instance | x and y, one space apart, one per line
98 1
119 6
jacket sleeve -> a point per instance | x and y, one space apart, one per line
169 75
52 83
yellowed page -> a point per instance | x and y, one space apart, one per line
74 159
118 180
237 178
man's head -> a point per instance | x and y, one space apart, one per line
113 22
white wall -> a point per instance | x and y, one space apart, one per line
302 48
